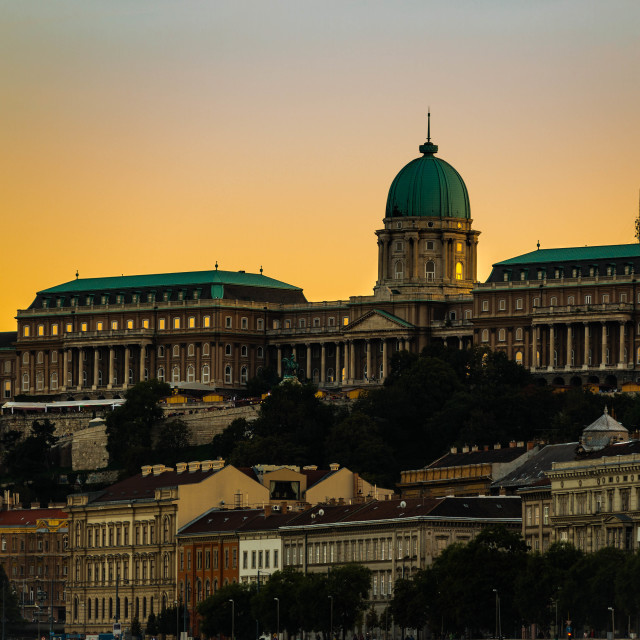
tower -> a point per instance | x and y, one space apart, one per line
428 244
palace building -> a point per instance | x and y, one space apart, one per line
568 314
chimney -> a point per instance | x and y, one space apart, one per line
267 510
530 445
181 467
497 445
310 467
474 447
512 444
334 466
520 444
486 447
157 469
194 466
218 464
35 505
465 449
454 450
207 465
146 470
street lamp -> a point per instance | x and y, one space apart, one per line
613 623
498 616
175 604
331 616
233 617
277 618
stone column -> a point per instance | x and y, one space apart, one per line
127 363
621 362
338 377
352 360
95 368
308 345
32 373
585 361
380 259
385 359
111 368
552 347
323 363
369 376
236 364
198 364
603 358
569 364
80 367
279 356
535 336
407 345
65 368
143 357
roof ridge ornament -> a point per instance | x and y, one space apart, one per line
428 148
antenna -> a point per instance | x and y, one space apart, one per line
428 124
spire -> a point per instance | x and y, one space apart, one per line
216 265
538 245
428 148
638 220
77 274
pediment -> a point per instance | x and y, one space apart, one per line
377 320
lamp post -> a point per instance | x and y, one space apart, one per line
331 616
175 604
233 618
277 618
613 623
498 616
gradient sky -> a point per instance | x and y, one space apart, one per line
157 136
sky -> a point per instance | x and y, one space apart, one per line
152 136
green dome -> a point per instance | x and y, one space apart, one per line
428 187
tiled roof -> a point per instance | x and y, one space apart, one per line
271 522
181 279
29 517
481 507
315 475
219 521
141 487
615 449
324 514
390 509
535 467
606 423
505 454
603 252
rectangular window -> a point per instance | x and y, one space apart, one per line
129 324
176 323
226 558
234 561
253 559
206 322
145 323
192 323
275 558
485 305
245 560
228 323
518 303
99 325
162 324
503 304
114 325
587 299
266 559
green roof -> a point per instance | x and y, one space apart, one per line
569 254
183 279
428 187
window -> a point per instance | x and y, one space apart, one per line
260 324
227 350
519 334
40 329
519 357
129 324
502 304
554 302
176 351
244 351
228 322
429 245
227 374
587 299
502 335
54 329
459 271
302 323
459 247
162 324
176 323
244 376
26 331
191 322
605 298
191 350
485 305
518 303
571 300
191 374
399 246
114 325
175 374
331 321
260 352
316 322
205 373
399 270
345 321
160 351
485 335
244 323
430 271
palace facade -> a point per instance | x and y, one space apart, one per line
569 314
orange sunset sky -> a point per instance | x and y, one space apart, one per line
157 136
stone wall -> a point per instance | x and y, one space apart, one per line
89 448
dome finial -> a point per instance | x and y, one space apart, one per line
638 221
428 148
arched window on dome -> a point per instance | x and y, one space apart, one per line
459 270
430 271
399 270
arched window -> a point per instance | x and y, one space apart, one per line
331 375
398 270
191 373
244 376
160 351
25 357
175 374
260 352
40 357
459 270
227 349
198 590
554 301
40 380
205 373
485 335
518 357
519 333
502 335
205 349
207 589
161 374
244 351
54 381
191 350
430 271
165 566
89 609
176 350
227 374
260 324
316 375
25 382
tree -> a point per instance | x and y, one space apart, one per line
349 587
136 628
217 611
172 441
152 625
288 586
129 425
